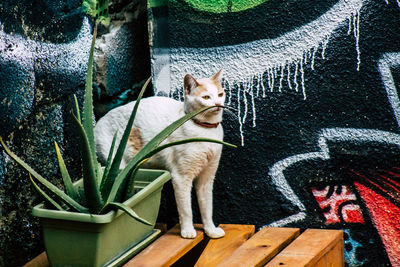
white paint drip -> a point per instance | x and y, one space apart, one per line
313 57
296 88
302 79
245 105
281 79
349 29
262 83
324 45
253 103
227 85
240 118
261 63
288 77
356 31
273 75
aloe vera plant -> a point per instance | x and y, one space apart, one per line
104 187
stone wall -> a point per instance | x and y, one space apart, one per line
44 48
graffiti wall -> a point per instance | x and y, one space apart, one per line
313 91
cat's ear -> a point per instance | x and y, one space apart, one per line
218 76
189 83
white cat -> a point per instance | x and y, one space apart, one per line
188 163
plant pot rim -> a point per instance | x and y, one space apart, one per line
41 212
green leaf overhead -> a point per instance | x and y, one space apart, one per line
97 9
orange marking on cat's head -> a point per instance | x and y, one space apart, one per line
196 87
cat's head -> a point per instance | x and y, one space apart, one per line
205 92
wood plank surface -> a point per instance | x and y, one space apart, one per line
333 257
219 249
39 261
310 248
261 247
167 249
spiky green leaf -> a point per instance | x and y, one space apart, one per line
77 112
188 140
92 193
127 189
130 212
87 116
69 187
108 163
114 170
45 195
67 199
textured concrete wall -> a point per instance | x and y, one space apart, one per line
313 86
44 48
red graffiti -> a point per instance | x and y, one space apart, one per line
381 194
386 217
339 204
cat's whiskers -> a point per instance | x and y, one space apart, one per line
229 111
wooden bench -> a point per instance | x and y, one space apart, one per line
241 246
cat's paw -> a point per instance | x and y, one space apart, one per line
188 232
215 232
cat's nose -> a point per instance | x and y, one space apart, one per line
218 105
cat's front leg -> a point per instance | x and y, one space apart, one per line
182 189
204 187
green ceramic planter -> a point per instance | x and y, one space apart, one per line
77 239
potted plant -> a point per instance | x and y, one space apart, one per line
109 214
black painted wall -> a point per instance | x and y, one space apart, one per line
313 86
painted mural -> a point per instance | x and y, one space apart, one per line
313 90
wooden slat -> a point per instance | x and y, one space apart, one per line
261 247
39 261
309 248
334 257
166 250
219 249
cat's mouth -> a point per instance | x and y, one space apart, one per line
217 109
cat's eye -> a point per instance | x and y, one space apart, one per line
206 97
220 94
